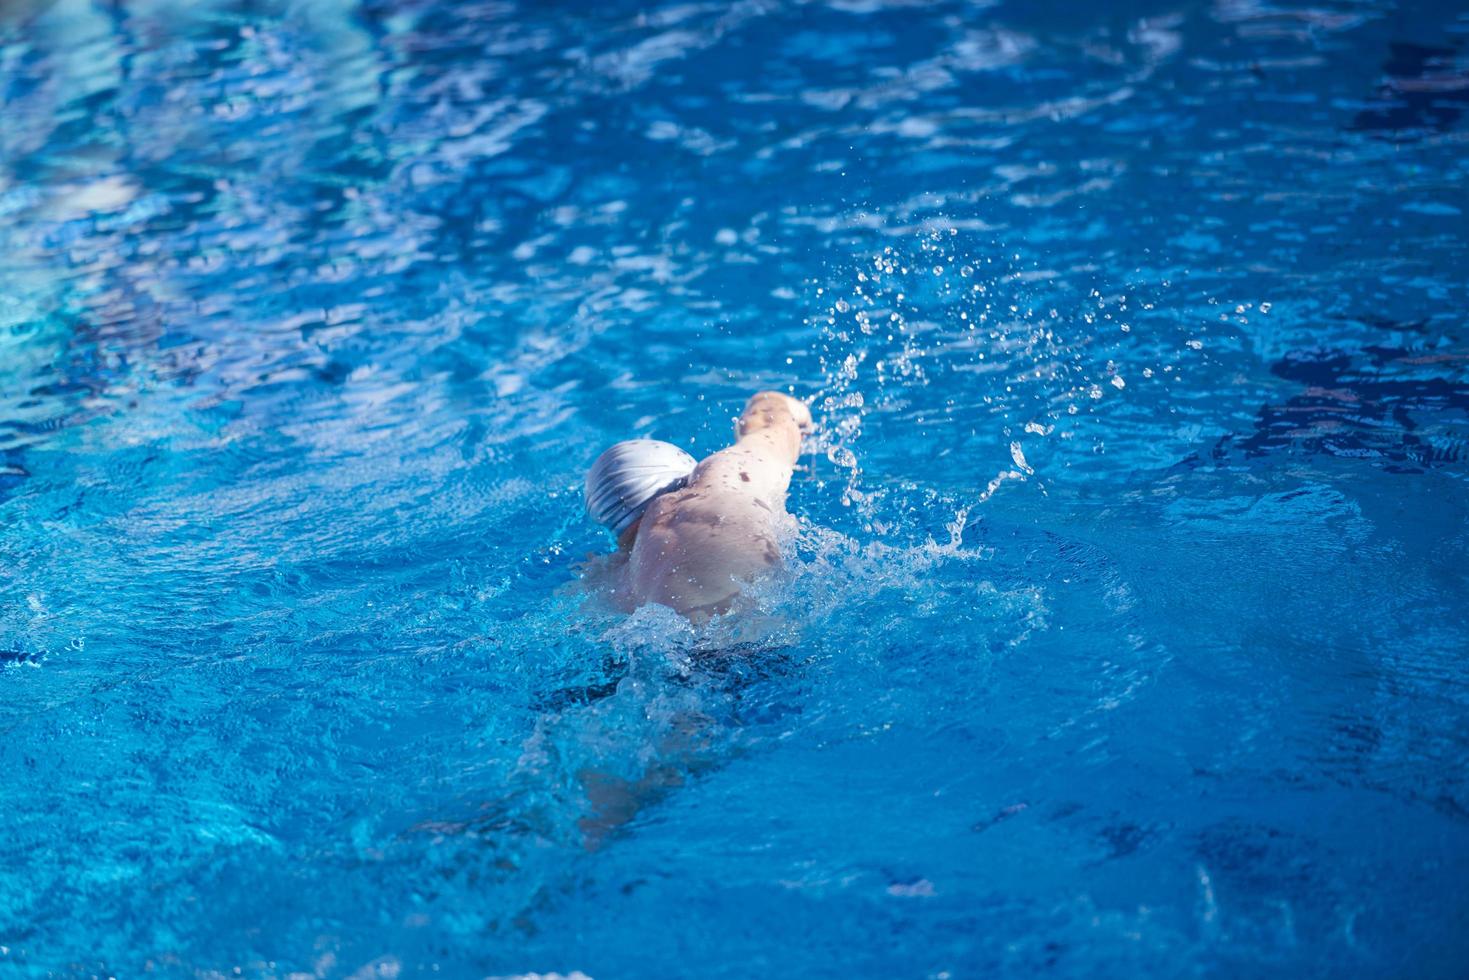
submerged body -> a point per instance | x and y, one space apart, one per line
694 548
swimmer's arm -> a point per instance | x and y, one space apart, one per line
768 441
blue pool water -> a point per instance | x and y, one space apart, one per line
1127 629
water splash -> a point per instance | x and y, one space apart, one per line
946 332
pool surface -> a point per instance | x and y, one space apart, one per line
1127 629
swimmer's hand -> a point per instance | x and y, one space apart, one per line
802 413
767 410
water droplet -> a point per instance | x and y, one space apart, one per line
1019 457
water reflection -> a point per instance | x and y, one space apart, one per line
1425 87
1385 404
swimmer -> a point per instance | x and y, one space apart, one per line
690 535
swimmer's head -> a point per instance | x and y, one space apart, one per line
625 479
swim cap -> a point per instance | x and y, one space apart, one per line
625 479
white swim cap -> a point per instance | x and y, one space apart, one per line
625 479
